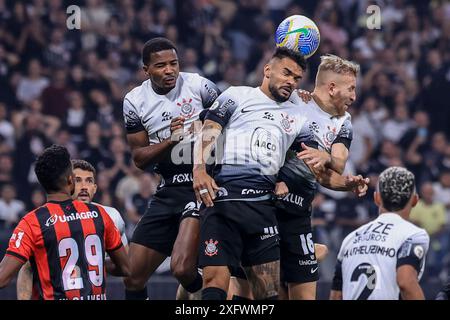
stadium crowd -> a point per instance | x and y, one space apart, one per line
67 86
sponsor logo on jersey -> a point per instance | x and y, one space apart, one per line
307 262
222 192
187 110
211 247
269 232
286 122
268 116
182 177
71 217
192 208
166 116
313 126
253 191
294 198
264 147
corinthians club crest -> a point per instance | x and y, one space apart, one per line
187 110
286 122
211 247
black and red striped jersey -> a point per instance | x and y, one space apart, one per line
65 243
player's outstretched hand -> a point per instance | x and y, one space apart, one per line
281 189
177 129
315 158
358 184
205 187
306 96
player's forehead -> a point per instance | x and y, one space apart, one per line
286 63
163 56
80 173
347 79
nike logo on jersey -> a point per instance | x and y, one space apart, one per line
314 269
245 110
148 119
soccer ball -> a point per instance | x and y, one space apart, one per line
298 33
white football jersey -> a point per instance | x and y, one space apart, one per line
257 132
145 110
327 130
117 219
369 257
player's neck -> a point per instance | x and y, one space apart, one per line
159 90
323 103
58 196
402 213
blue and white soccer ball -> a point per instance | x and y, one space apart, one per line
298 33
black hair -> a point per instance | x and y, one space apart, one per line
156 45
396 186
52 167
84 165
283 52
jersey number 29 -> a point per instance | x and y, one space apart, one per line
71 275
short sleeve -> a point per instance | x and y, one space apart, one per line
345 135
21 243
209 92
112 234
414 250
131 118
223 108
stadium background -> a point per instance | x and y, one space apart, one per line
66 86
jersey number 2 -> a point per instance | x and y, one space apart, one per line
71 274
369 271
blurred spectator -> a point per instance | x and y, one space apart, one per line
31 87
6 127
76 117
37 199
92 150
431 216
55 96
11 209
395 127
6 169
137 205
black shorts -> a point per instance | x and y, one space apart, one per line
158 227
298 263
239 232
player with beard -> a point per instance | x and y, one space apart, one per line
239 226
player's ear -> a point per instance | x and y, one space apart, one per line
145 68
267 71
377 198
332 88
95 188
415 200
